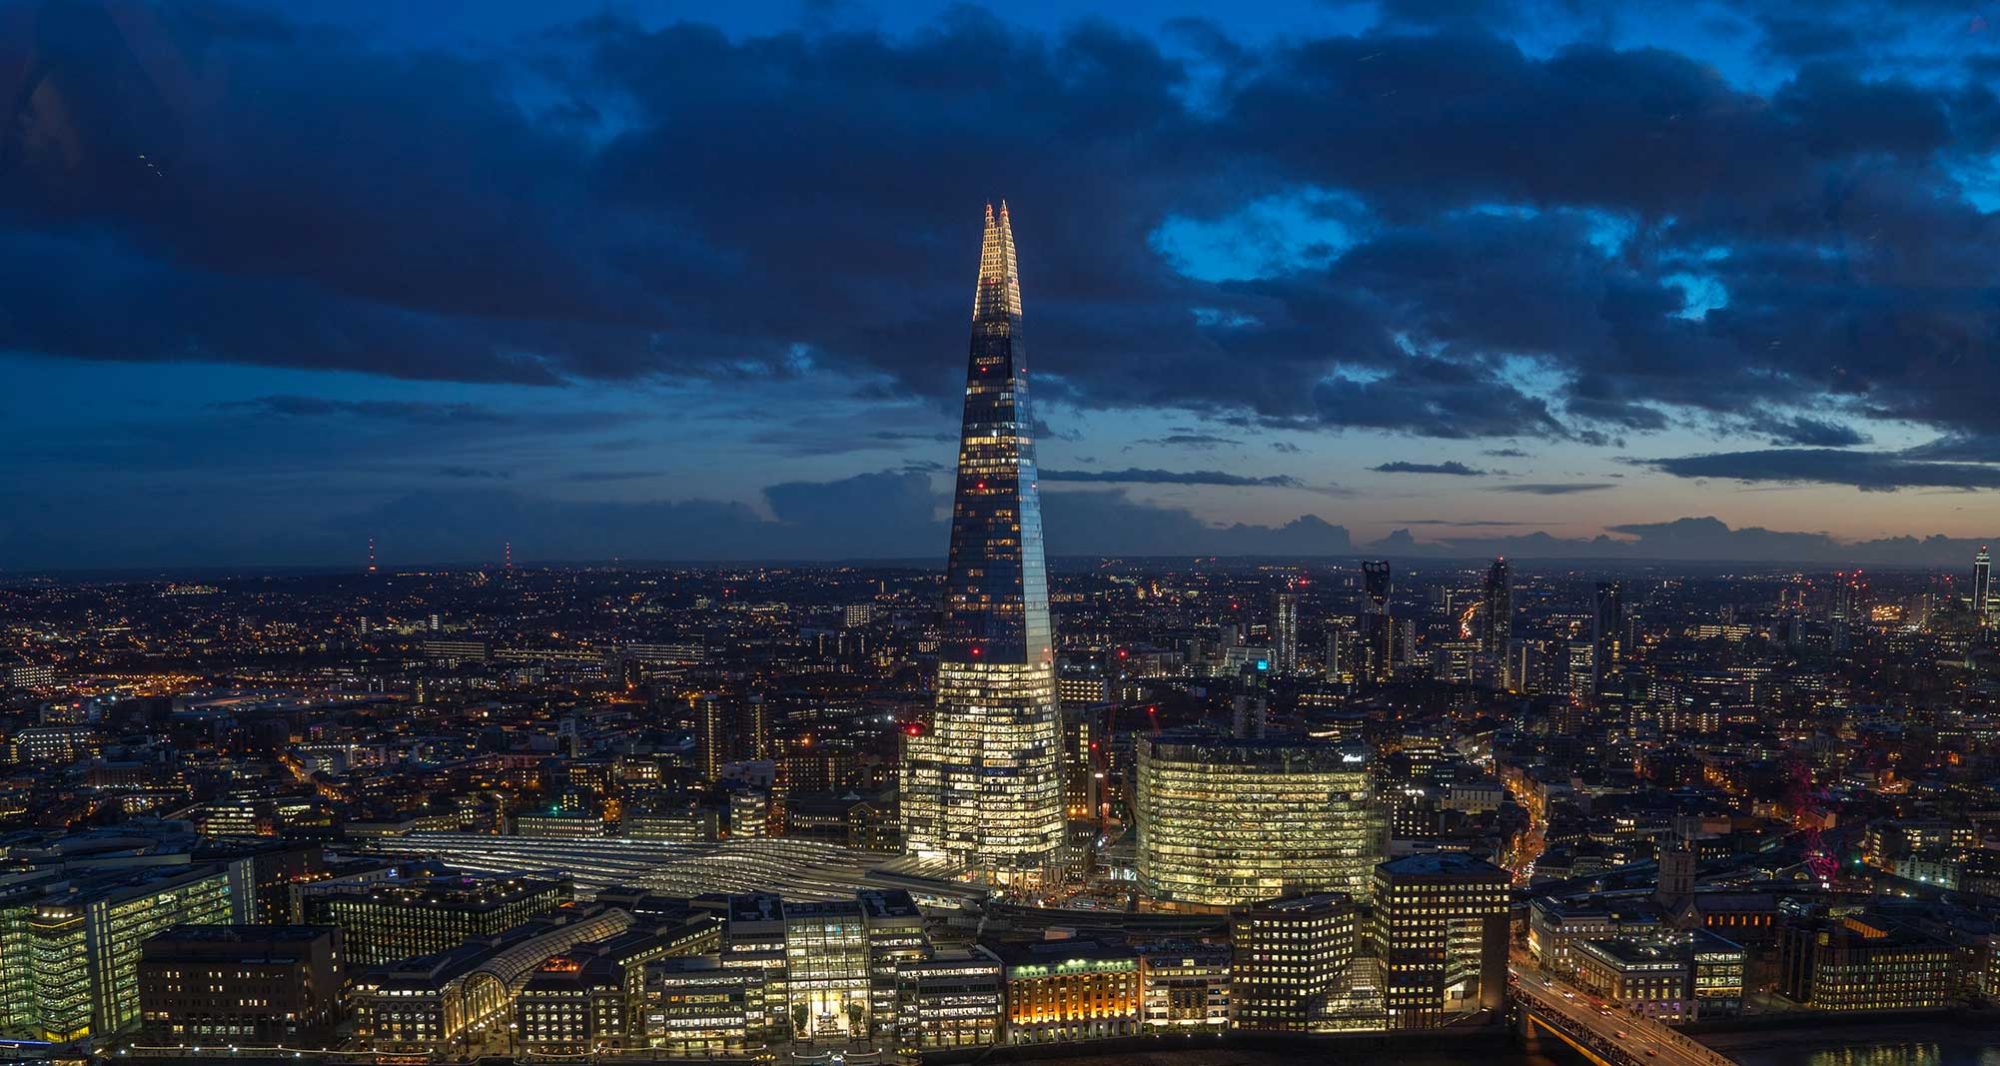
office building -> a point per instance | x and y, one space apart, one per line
560 825
70 949
1441 932
982 784
240 983
1557 926
387 921
22 674
1184 988
451 653
1670 977
54 745
1288 957
1862 963
696 1003
1285 633
1224 822
955 998
592 994
569 1005
831 965
681 825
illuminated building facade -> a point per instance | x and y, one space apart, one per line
570 1004
1185 988
1289 956
71 951
1982 584
1064 990
1674 978
468 992
830 967
982 785
1223 822
1441 932
953 999
1285 633
697 1004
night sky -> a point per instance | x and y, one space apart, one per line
692 281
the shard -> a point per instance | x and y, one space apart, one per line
982 784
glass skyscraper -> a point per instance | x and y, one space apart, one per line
982 785
1225 822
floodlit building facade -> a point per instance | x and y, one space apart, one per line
1065 990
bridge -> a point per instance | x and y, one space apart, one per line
1606 1036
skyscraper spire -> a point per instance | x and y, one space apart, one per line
983 786
996 300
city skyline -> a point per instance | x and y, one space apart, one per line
1749 328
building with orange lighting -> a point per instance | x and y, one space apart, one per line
1067 990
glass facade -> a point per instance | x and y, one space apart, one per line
1226 822
982 786
72 958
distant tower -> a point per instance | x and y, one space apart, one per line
1982 583
982 787
1376 578
1497 624
1607 633
1378 629
712 737
371 555
1285 632
1252 704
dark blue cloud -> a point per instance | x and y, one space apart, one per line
1810 432
1554 488
1868 471
1450 466
559 211
1141 476
1574 242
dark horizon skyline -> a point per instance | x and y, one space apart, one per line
1619 281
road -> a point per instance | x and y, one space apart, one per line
1527 845
1641 1039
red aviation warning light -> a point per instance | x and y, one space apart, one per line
915 729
